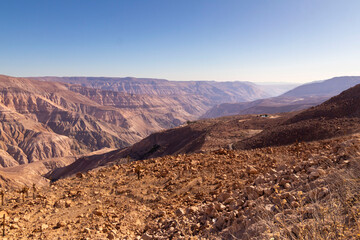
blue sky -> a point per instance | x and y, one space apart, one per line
253 40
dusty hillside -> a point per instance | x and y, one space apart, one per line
213 92
42 120
200 136
300 191
336 117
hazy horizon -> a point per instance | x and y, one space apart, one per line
227 40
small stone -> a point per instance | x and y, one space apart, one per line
14 226
146 236
251 170
314 174
270 207
111 236
60 224
79 175
223 196
44 227
295 204
296 231
68 203
180 212
268 191
219 206
97 213
191 210
87 230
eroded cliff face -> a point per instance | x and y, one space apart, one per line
213 92
23 140
41 120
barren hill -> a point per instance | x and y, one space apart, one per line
330 87
43 120
199 136
301 97
306 191
335 117
264 106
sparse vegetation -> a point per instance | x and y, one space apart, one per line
301 191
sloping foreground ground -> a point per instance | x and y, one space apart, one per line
200 136
301 191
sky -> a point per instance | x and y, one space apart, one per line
223 40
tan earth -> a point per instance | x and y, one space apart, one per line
301 191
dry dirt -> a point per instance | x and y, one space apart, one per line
301 191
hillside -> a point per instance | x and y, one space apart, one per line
338 116
330 87
42 120
306 191
264 106
299 98
200 136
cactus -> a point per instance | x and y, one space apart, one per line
24 192
128 159
138 171
34 190
3 225
2 193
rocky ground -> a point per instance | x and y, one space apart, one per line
300 191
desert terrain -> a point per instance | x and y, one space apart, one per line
278 176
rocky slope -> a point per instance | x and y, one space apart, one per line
43 120
300 191
199 136
213 92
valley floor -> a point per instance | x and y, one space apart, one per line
300 191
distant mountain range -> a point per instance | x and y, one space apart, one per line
213 92
299 98
330 87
